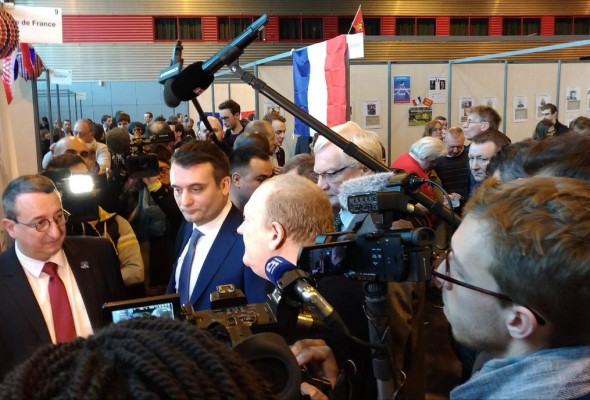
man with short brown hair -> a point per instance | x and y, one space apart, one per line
515 286
52 287
210 250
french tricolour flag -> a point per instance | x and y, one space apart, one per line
320 82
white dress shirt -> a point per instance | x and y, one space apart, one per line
39 282
209 233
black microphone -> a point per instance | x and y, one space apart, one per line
293 281
197 77
118 141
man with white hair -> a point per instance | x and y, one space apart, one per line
406 299
333 166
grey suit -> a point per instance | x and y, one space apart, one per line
95 266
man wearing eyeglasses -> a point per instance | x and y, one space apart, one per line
406 300
73 145
52 288
480 119
515 285
229 113
84 129
549 112
333 166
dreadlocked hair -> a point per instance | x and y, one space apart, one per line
142 358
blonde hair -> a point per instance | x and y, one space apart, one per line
300 206
368 141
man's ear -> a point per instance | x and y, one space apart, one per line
235 179
521 322
10 226
279 235
485 126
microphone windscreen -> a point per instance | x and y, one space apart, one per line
275 268
191 78
118 141
362 184
169 98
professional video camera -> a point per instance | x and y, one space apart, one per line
248 329
132 157
383 254
79 193
141 163
256 332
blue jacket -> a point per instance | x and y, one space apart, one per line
222 265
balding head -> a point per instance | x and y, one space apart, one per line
264 128
215 125
84 129
74 145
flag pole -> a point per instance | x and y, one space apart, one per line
354 19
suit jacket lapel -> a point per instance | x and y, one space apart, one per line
225 240
19 289
83 270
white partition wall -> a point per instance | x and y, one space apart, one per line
528 81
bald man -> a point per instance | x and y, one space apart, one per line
215 124
73 145
84 129
265 128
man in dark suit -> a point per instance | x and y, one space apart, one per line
87 269
211 256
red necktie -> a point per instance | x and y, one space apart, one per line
63 321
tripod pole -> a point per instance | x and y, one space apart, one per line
376 309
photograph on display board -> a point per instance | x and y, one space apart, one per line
419 116
465 105
572 98
489 101
540 101
437 89
521 109
372 114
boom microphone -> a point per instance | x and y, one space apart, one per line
118 141
197 77
375 183
363 184
293 281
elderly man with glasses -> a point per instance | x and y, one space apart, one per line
518 273
406 300
52 288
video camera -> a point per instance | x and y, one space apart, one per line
79 193
256 331
248 329
140 162
381 254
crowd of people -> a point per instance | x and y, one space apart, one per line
226 200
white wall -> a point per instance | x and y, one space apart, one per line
18 146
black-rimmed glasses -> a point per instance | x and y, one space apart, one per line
447 277
330 175
60 219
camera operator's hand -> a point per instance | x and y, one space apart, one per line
318 358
